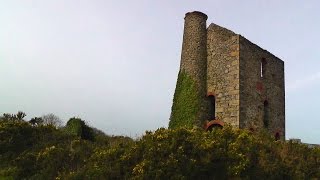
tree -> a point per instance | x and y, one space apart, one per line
7 116
51 119
14 117
20 115
36 121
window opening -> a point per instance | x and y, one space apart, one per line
214 127
263 63
265 114
277 136
212 107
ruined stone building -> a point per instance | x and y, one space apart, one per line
226 79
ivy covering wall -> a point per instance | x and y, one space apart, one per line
186 103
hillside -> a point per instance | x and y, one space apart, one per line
33 150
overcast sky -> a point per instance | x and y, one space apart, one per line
115 63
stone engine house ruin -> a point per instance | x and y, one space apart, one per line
226 79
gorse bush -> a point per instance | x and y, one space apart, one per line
42 151
46 152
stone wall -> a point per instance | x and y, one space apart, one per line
255 89
223 72
218 63
193 68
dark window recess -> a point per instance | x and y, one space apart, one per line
212 107
265 114
263 67
214 127
277 136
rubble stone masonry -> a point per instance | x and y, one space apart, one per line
246 81
257 89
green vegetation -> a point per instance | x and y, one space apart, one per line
77 127
32 150
43 149
185 106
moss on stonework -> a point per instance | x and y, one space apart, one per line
186 103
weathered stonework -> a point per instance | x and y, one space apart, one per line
223 73
247 82
255 90
193 66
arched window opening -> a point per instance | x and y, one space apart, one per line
213 124
265 114
263 67
212 107
214 127
277 136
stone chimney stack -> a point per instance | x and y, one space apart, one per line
192 75
194 45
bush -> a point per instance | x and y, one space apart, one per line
78 127
195 154
45 152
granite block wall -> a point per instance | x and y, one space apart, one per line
261 89
246 81
223 73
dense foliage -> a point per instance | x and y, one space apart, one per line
37 151
185 102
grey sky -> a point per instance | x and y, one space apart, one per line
115 63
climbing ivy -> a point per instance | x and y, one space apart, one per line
185 102
78 127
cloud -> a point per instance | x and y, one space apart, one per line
304 82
